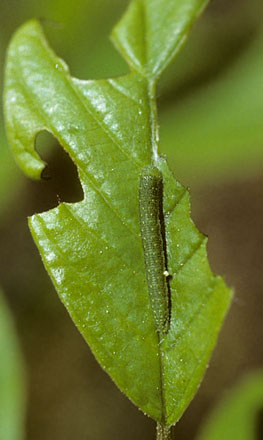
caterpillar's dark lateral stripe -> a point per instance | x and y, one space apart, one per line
150 204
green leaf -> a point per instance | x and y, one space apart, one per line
236 417
93 249
12 392
153 31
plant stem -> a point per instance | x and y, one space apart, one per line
154 120
163 432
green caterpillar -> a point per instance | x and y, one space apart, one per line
150 206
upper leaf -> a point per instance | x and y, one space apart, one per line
92 249
152 32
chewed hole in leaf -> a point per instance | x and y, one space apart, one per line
60 180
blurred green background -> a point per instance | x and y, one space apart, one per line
211 116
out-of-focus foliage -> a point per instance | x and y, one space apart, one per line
237 416
223 33
12 392
220 123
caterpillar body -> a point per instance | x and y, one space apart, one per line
150 207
